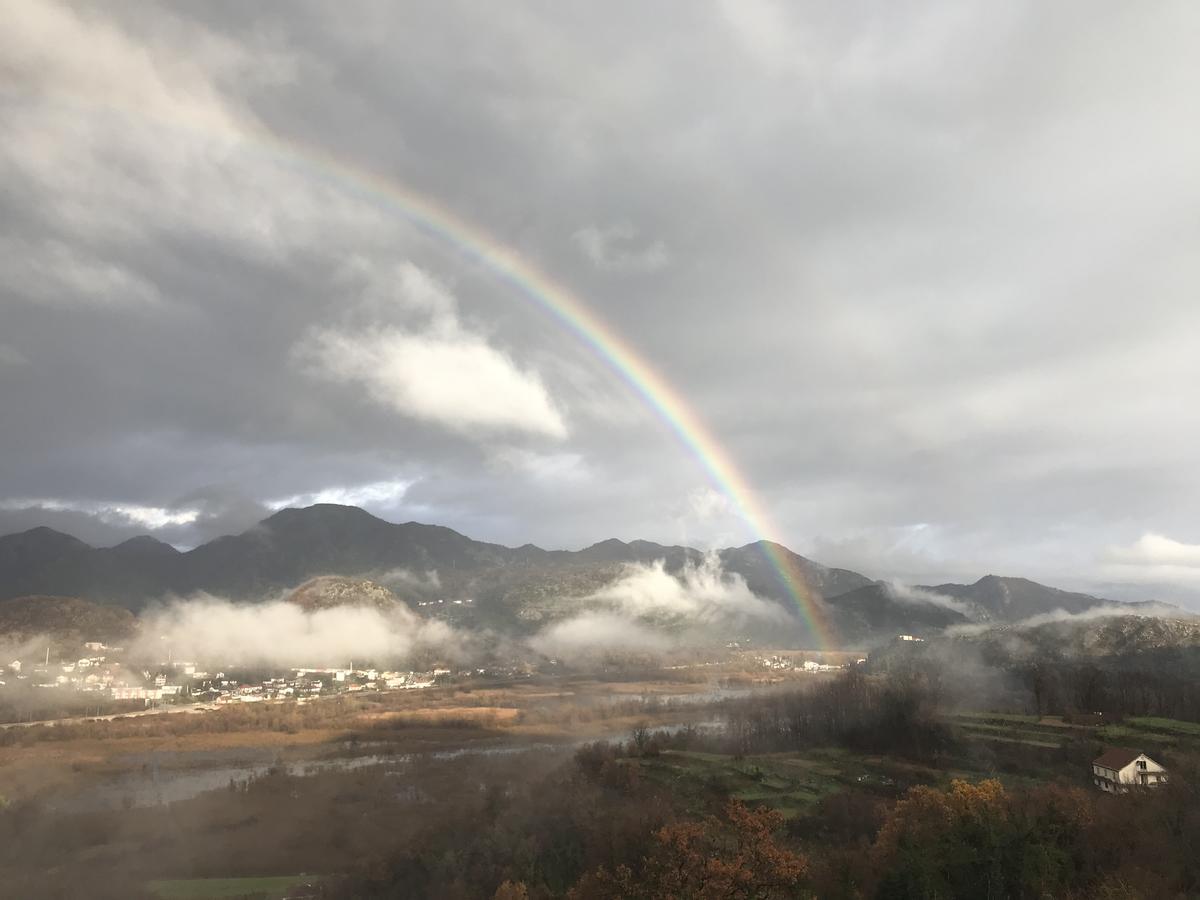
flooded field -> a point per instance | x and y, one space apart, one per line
161 778
122 768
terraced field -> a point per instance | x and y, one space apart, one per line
791 782
1053 731
796 782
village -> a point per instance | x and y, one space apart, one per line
103 680
787 663
104 675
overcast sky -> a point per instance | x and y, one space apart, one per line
928 272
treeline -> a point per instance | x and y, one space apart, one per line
1150 684
894 716
988 841
1158 682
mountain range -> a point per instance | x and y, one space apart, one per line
512 589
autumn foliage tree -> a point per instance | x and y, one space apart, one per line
734 857
978 840
511 890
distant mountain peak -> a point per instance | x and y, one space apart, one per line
144 543
1011 580
1011 599
607 543
46 534
765 544
321 512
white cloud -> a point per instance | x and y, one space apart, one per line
375 492
206 628
905 593
432 367
619 248
457 381
699 595
1156 550
1153 559
646 596
152 517
83 56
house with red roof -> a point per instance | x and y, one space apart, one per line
1119 769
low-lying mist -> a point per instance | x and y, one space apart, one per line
206 629
907 593
1062 616
646 611
649 611
599 633
701 594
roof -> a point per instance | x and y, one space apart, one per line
1116 758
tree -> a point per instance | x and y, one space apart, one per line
510 890
977 840
731 858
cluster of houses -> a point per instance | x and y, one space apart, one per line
103 673
779 663
98 672
302 685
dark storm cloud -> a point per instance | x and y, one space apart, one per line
926 269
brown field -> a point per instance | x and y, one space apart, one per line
41 760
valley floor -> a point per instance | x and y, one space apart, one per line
241 801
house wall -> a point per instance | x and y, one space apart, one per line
1132 773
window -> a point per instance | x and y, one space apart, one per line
1142 764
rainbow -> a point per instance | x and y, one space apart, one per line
555 300
575 317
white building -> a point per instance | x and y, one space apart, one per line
121 692
1120 769
811 666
